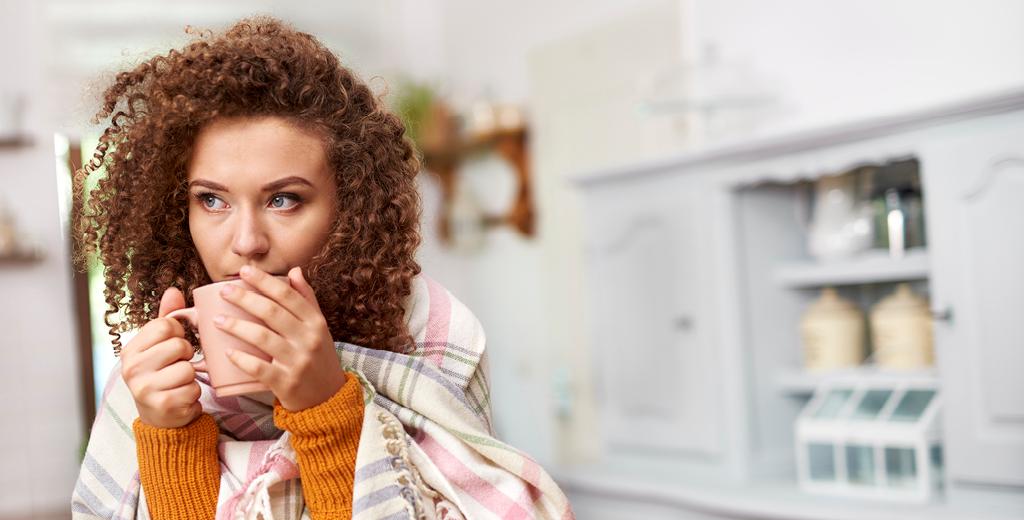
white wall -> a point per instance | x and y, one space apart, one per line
41 436
521 289
92 41
837 61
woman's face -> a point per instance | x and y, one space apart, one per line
261 194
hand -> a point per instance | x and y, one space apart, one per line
155 366
304 370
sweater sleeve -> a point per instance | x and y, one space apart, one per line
179 469
326 439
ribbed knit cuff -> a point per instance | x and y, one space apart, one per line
326 439
340 413
179 468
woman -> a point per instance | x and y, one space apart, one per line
255 153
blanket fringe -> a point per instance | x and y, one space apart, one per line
254 503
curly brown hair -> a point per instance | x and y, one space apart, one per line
136 218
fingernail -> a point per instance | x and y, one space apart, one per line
245 270
219 320
229 352
227 289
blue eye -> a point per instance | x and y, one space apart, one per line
206 198
281 197
279 201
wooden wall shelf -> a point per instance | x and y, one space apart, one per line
21 257
8 142
512 145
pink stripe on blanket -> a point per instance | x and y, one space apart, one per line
531 471
106 392
256 453
234 422
437 322
531 474
285 469
529 497
487 494
231 404
237 422
130 496
241 425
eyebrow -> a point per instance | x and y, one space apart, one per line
270 186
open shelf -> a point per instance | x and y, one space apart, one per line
872 267
802 383
780 283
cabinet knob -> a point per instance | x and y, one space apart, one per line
683 323
944 315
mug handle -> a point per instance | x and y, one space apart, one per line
190 318
186 316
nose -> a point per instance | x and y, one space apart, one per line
250 238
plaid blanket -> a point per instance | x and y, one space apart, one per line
427 449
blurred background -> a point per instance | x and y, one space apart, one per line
734 258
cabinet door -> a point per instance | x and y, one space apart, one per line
649 322
974 190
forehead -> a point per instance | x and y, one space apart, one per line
242 151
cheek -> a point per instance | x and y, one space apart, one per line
202 237
316 232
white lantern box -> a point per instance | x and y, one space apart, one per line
874 438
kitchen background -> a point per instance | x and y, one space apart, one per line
545 127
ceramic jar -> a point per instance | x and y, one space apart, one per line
901 331
832 330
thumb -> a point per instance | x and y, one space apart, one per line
172 300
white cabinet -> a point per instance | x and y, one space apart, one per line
975 188
650 327
697 275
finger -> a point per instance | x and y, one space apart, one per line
185 394
277 290
177 374
161 355
181 400
152 333
255 367
135 362
200 366
172 300
171 376
276 317
298 281
256 335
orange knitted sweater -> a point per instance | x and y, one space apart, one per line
180 471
